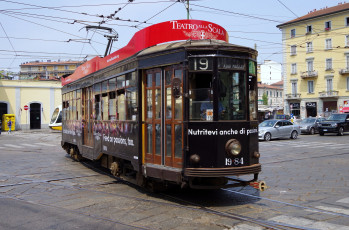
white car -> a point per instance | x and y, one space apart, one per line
273 129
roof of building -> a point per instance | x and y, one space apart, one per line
37 63
278 84
318 13
266 86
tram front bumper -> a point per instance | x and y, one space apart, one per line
222 172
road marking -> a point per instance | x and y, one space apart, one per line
344 200
245 227
306 223
29 145
13 146
44 144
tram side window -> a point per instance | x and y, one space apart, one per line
104 106
64 107
233 99
78 104
112 106
178 101
252 81
67 107
71 106
112 99
97 91
201 97
74 106
121 105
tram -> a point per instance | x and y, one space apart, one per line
177 105
56 119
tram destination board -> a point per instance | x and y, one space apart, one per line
201 63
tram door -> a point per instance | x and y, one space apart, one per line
163 118
87 119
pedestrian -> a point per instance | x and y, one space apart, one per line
9 124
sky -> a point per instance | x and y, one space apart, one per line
56 30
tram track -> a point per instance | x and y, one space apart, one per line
179 203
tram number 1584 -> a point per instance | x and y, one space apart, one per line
200 64
235 161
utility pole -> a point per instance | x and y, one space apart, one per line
188 9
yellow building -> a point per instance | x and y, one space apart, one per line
47 70
40 97
316 61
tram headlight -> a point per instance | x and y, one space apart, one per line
233 147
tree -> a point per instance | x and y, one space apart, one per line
265 99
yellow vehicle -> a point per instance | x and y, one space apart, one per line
56 120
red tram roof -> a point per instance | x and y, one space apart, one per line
176 30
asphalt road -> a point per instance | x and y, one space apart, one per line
42 188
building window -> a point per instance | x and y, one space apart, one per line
294 88
347 62
347 83
66 67
328 43
309 29
346 41
328 25
294 68
328 63
329 84
310 86
310 66
55 67
293 33
347 21
293 50
309 47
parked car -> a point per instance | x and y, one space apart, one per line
273 129
336 123
310 125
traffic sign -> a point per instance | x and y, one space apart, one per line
25 107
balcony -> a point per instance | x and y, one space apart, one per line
328 94
344 71
309 74
292 96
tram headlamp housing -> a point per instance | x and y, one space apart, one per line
233 147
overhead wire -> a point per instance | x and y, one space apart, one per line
10 44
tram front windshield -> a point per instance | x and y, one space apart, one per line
231 93
54 116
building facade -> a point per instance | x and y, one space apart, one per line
275 102
270 72
47 70
316 62
40 97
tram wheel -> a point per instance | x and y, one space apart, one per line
267 136
340 131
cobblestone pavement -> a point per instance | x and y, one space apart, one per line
42 188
